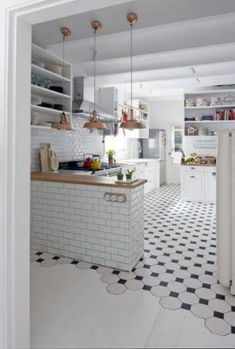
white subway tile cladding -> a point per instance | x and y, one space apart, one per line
68 145
75 221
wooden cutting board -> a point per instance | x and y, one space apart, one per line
44 156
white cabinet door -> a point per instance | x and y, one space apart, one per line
210 186
192 185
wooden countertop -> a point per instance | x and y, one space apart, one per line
191 164
82 179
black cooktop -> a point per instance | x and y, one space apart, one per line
78 166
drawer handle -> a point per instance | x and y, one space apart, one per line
192 176
214 174
192 168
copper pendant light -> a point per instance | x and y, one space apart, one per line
63 124
94 122
131 122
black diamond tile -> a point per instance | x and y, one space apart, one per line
147 266
74 262
39 253
186 306
179 280
56 258
94 267
122 281
194 276
190 290
206 286
183 268
203 301
39 260
147 287
232 308
220 296
154 274
163 283
233 329
139 277
116 272
169 271
218 315
174 294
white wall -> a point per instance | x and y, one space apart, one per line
164 114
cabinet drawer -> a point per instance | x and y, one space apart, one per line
192 168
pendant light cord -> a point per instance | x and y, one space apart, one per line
131 62
63 66
94 70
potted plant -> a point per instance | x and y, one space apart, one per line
120 175
129 174
111 154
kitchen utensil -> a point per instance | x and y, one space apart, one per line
95 165
53 160
44 152
87 163
202 131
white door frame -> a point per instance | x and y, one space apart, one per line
170 167
16 18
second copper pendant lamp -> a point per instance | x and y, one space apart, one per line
131 123
94 122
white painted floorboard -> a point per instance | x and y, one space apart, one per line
71 309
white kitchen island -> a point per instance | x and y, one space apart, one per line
88 218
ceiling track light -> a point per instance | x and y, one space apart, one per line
131 123
94 122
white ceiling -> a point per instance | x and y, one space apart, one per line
170 37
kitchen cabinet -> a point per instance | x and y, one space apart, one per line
149 170
108 100
210 185
198 183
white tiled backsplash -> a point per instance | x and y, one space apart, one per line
200 145
72 145
67 145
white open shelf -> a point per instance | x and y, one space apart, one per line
48 74
45 110
42 55
209 121
212 107
41 127
42 91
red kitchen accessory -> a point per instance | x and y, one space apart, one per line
191 130
87 163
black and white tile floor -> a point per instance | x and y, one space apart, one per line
179 263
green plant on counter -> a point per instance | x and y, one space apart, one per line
120 176
129 174
111 152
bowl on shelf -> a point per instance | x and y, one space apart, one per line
189 119
59 107
208 117
57 89
54 68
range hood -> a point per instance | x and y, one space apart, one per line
84 108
